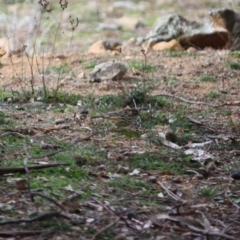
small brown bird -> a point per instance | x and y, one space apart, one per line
123 118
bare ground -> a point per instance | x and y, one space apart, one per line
126 186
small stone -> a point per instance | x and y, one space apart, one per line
172 45
122 170
97 48
191 50
108 71
234 92
4 47
103 47
2 52
198 176
152 179
65 126
224 91
171 136
62 83
177 180
68 78
60 121
81 75
236 176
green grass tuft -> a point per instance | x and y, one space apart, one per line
207 191
207 78
142 67
233 65
148 161
235 54
90 65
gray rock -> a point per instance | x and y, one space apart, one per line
189 33
108 71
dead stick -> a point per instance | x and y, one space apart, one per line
21 233
61 150
199 103
25 163
22 170
38 218
31 167
185 100
210 233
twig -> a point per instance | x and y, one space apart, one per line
171 194
14 133
186 100
38 218
25 163
48 198
105 228
233 103
235 205
62 150
22 170
207 233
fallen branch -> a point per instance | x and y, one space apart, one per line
210 233
25 163
62 150
233 103
21 233
202 227
185 100
32 167
23 169
14 133
38 218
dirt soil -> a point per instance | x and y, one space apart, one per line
120 184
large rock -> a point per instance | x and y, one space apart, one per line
230 20
188 33
207 36
108 71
